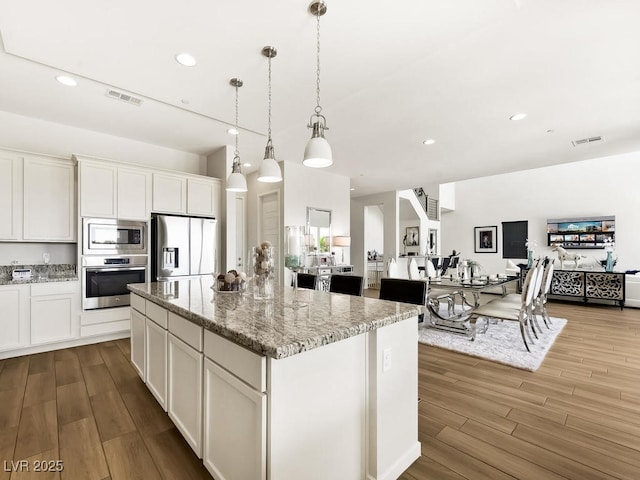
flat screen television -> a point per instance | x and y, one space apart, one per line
584 232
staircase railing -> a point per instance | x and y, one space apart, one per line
429 204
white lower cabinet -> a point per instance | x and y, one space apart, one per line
54 312
184 393
138 342
156 361
235 426
14 316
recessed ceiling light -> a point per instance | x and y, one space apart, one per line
232 131
246 164
518 116
429 141
184 101
65 80
186 59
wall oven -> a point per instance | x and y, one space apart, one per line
105 279
108 236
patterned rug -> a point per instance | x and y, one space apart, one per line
501 343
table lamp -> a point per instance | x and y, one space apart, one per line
342 241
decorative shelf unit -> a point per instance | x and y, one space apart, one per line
586 285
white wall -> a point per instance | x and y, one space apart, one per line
373 229
604 186
26 253
388 203
39 136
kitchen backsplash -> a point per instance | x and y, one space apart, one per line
27 253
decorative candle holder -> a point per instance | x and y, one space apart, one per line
294 255
263 268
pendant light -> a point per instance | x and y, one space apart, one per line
269 171
317 153
236 181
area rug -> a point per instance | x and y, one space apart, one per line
501 343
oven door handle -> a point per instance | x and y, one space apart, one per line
122 269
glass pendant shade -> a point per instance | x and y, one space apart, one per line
269 171
317 153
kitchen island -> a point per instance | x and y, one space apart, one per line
262 390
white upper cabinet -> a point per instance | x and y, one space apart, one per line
182 194
49 200
169 193
98 189
112 191
37 198
134 194
202 196
10 196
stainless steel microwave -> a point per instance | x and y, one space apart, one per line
108 236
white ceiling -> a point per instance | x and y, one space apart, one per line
393 74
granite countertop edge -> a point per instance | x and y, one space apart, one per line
32 280
286 350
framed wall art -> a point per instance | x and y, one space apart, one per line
486 239
412 236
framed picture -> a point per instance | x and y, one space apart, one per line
412 237
486 239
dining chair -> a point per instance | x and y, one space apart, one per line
503 309
392 268
414 272
405 291
540 302
347 284
445 265
307 280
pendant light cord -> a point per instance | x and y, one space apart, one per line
269 110
236 154
318 109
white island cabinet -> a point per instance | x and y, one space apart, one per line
184 376
280 393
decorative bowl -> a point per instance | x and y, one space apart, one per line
230 282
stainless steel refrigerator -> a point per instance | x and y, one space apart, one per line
182 246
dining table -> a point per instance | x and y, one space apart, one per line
452 300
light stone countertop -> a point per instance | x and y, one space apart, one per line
271 327
40 274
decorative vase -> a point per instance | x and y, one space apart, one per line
529 258
263 267
294 250
609 265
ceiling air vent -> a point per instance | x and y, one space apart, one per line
124 97
582 141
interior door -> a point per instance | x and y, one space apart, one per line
269 225
241 234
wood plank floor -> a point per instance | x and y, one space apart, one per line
87 407
577 417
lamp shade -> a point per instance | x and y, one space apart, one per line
342 241
317 153
269 171
236 183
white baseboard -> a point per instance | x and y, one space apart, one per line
398 468
60 345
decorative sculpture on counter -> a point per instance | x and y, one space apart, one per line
563 256
531 245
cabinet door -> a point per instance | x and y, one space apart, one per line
97 190
235 426
200 197
52 318
49 200
156 361
134 194
14 305
169 193
10 196
185 391
137 341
